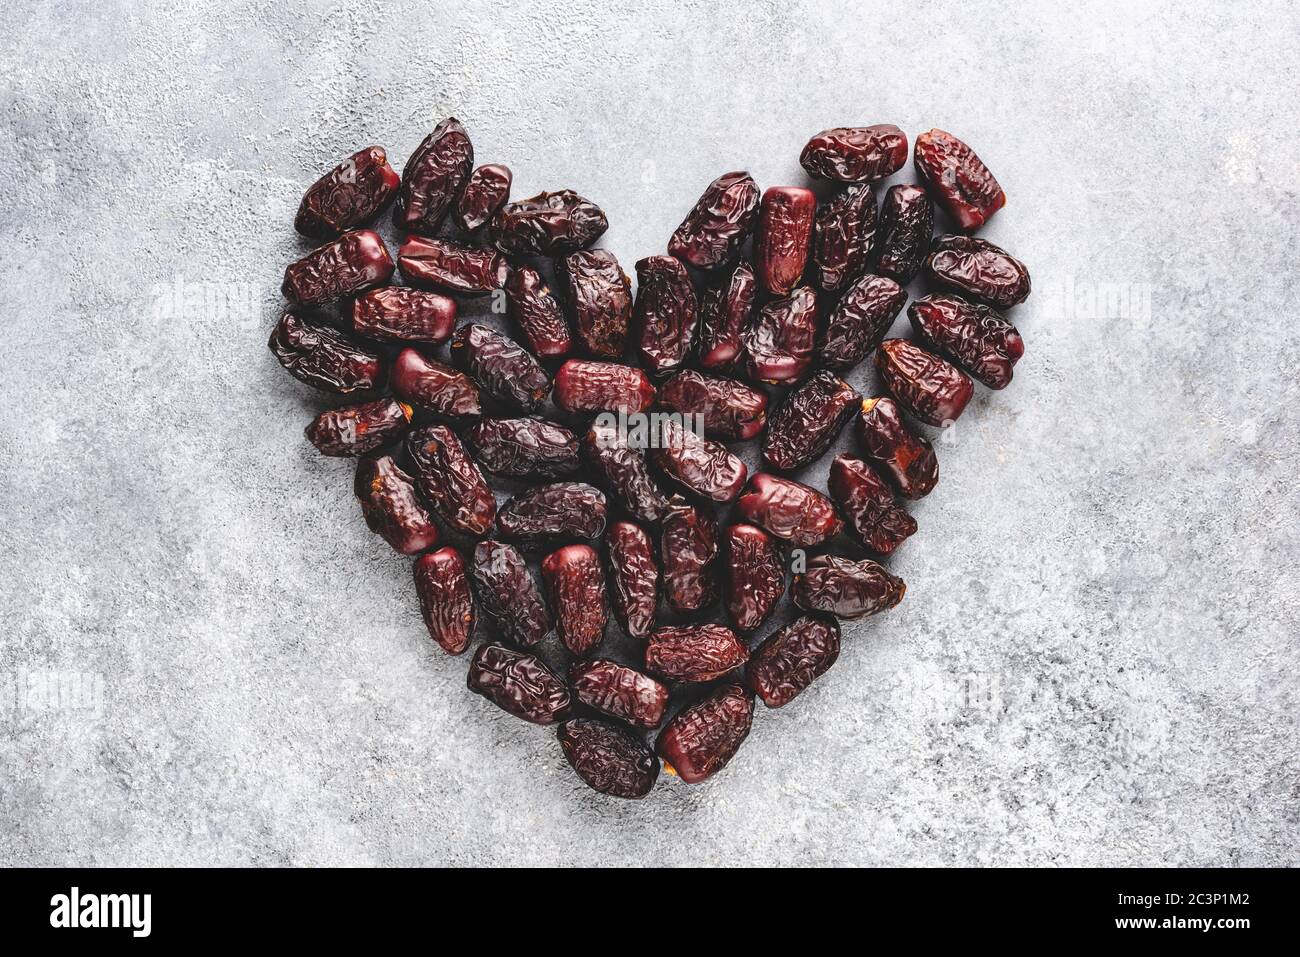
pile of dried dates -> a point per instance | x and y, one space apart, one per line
604 421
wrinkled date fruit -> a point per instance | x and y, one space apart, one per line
402 314
846 589
524 448
547 223
807 422
450 481
860 320
353 263
717 226
508 593
625 472
961 182
324 358
503 369
934 391
433 387
784 665
445 599
561 511
842 237
462 269
635 578
599 297
432 178
725 309
779 343
789 510
904 233
784 240
978 270
688 552
868 505
619 691
519 683
976 337
609 759
701 739
485 192
731 409
666 314
755 576
392 506
700 465
585 386
694 652
576 585
855 154
906 458
358 429
349 195
537 313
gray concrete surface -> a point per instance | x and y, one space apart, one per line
207 659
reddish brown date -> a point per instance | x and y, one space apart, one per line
433 177
508 594
934 391
978 270
906 458
625 472
666 314
698 464
976 337
445 599
358 429
717 226
635 578
576 584
959 179
609 759
349 195
688 552
546 224
859 321
731 409
846 589
785 225
537 313
403 314
694 652
448 265
433 387
485 192
807 422
725 310
519 683
528 447
392 507
599 298
755 576
868 506
503 369
784 665
585 386
561 511
324 358
779 344
843 235
701 739
855 154
619 691
789 510
450 481
353 263
904 233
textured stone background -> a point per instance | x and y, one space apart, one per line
207 659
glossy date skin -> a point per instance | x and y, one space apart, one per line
807 422
586 386
855 154
447 265
934 391
978 270
576 585
666 314
958 178
904 233
785 225
486 191
755 576
867 505
688 552
859 321
619 691
445 599
790 510
784 665
392 507
349 195
403 314
324 358
779 344
843 235
503 369
608 758
725 311
846 589
698 464
508 594
906 458
976 337
717 226
561 511
625 473
537 313
546 224
634 576
433 387
432 178
351 264
694 652
731 409
599 297
450 481
702 739
528 447
519 683
358 429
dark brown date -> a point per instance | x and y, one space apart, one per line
868 506
717 226
934 391
599 297
403 314
324 358
959 179
619 691
561 511
666 314
635 578
349 195
392 506
785 225
450 481
784 665
978 270
807 422
609 759
755 576
519 683
433 176
448 265
688 552
524 448
353 263
485 192
976 337
846 589
789 510
433 387
904 233
546 224
537 313
698 464
701 739
843 235
358 429
585 386
576 584
779 343
445 599
855 154
725 309
694 652
503 369
731 409
625 472
859 321
906 458
508 594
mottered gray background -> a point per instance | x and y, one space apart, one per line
207 659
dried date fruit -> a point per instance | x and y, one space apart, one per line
625 472
585 386
508 594
324 358
432 178
403 314
503 369
433 387
635 578
609 759
784 239
349 195
904 233
666 314
700 465
934 391
730 409
976 337
353 263
576 584
524 448
846 589
445 600
807 422
619 691
855 154
358 429
392 507
789 510
449 265
519 683
906 458
599 298
537 313
450 481
868 505
779 344
755 576
725 309
843 234
561 511
485 192
546 224
784 665
959 179
717 226
701 739
694 652
859 321
978 270
688 552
